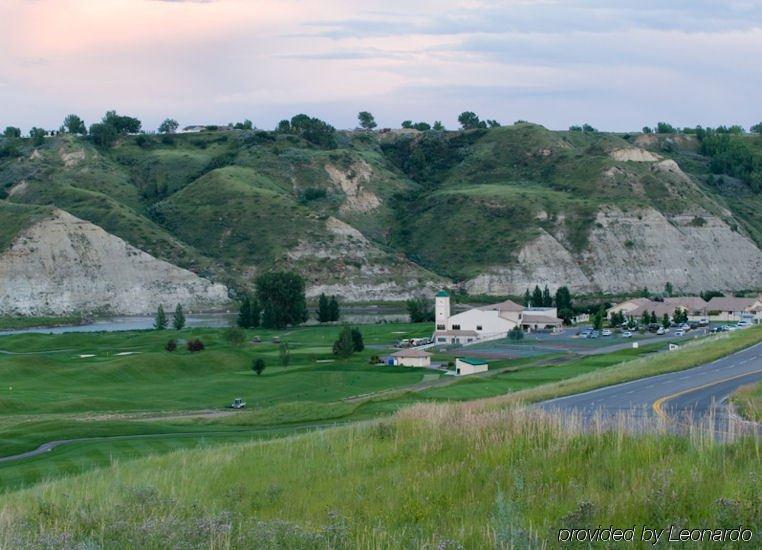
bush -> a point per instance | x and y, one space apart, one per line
195 345
171 345
516 333
234 336
258 365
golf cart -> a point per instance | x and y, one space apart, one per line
237 403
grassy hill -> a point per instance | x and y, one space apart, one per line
231 203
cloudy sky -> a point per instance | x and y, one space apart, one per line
615 64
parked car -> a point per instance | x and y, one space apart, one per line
605 332
661 331
685 326
680 333
703 322
627 334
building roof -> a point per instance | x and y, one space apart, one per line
730 303
546 319
658 309
411 352
456 333
442 294
508 305
472 361
692 303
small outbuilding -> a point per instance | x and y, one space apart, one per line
411 358
467 365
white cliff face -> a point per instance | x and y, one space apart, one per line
631 250
354 268
63 264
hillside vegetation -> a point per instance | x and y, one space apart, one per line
373 215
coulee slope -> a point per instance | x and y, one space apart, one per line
388 216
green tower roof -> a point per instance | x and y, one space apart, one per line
442 294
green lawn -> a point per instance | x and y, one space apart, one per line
47 374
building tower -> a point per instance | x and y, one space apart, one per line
441 309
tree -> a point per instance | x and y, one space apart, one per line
598 318
280 294
491 123
235 336
536 300
665 128
647 130
333 309
121 123
74 125
469 121
422 126
248 313
407 124
516 333
160 320
665 321
668 289
644 293
438 126
756 129
575 128
284 355
357 340
420 310
103 135
169 126
12 132
313 130
323 315
344 345
178 319
547 299
171 345
195 345
645 318
527 298
367 122
588 128
652 320
245 125
564 304
258 365
38 136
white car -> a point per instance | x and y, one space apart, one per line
605 332
661 331
627 334
680 333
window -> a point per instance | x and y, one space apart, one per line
441 339
478 327
456 327
440 327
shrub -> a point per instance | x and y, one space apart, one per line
195 345
516 333
234 336
171 345
258 365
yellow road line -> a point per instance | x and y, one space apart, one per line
659 403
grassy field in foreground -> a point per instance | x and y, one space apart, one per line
748 401
434 476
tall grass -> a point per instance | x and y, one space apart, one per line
433 476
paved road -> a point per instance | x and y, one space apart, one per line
678 398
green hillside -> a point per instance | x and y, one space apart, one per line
230 203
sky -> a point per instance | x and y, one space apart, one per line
617 65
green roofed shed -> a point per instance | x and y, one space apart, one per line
472 361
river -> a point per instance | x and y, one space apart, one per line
349 314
